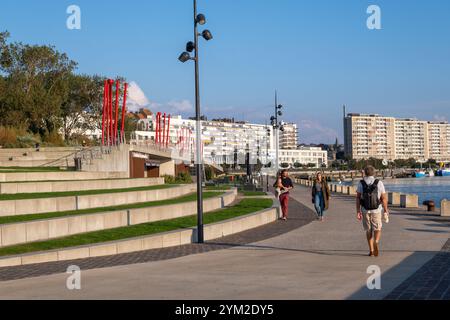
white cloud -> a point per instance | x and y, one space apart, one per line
314 132
439 118
180 106
136 97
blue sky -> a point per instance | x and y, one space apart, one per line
318 54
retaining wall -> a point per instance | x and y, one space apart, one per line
163 240
24 232
59 175
44 205
64 186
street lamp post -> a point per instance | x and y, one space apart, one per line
277 126
199 19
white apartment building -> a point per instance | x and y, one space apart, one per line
223 142
229 142
369 136
289 136
411 139
375 136
439 141
305 156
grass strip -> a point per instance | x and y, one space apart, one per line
246 206
41 195
222 187
140 205
32 169
253 193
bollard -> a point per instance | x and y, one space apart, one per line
409 201
352 191
445 208
431 206
394 198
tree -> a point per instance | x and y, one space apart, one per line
35 85
297 165
82 108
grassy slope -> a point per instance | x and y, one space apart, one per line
246 206
50 215
40 195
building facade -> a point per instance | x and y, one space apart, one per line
289 136
228 142
305 156
375 136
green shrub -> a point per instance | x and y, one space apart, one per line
169 179
54 139
181 178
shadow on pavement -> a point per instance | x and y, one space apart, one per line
430 281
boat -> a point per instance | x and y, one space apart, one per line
443 173
420 174
430 173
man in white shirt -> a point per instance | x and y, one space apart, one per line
371 199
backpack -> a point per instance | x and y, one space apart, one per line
369 198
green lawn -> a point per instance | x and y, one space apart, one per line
253 193
220 187
32 169
51 215
246 206
21 196
74 181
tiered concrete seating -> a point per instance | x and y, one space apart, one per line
29 157
24 232
64 186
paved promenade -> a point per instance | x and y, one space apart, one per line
298 259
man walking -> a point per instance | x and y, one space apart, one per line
284 185
371 199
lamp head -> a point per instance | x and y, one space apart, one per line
190 46
184 57
200 19
207 35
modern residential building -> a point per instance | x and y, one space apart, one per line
289 136
228 142
305 156
375 136
439 141
369 136
411 139
223 142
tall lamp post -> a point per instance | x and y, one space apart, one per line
277 127
199 19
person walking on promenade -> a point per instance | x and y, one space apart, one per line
284 185
371 199
320 195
